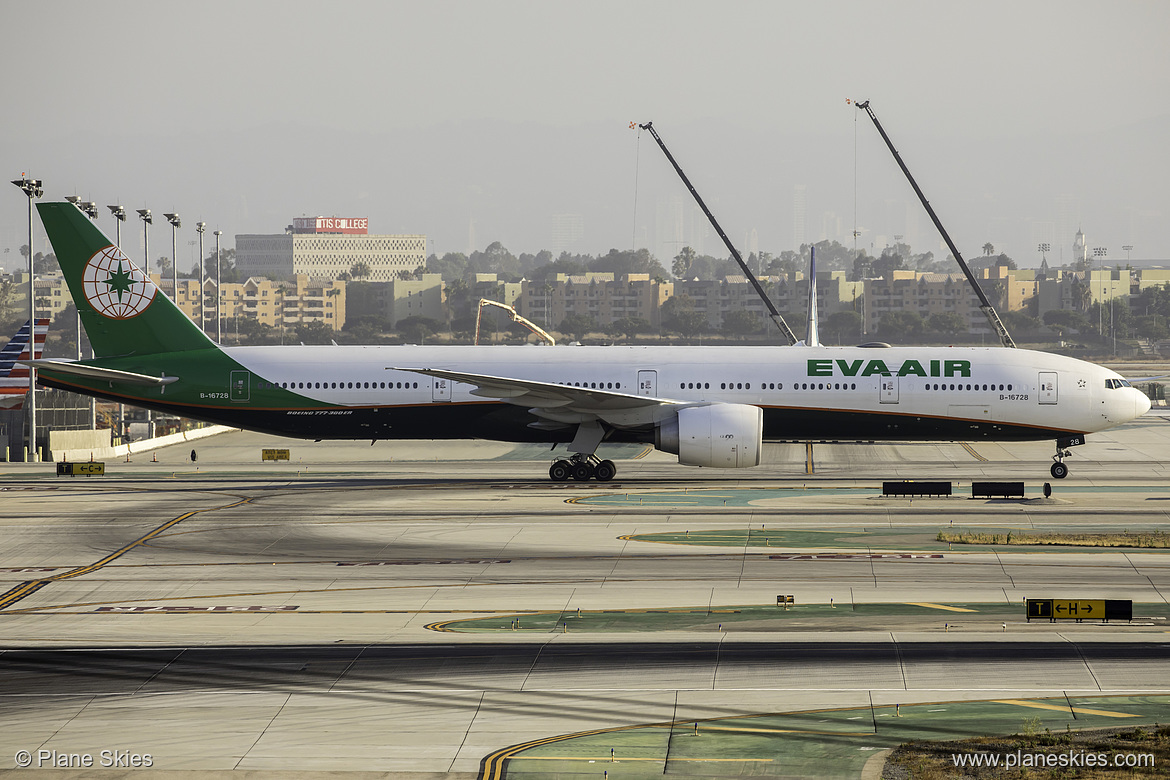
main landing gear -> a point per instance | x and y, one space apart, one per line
1059 470
582 468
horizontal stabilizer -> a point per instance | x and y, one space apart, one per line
94 372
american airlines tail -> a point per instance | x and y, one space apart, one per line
13 374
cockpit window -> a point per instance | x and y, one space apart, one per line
1113 384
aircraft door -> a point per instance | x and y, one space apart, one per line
1047 387
889 390
440 389
648 383
239 386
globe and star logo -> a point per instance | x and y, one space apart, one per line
114 286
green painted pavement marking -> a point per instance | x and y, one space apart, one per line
746 496
821 744
722 496
761 617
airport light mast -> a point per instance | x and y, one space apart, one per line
199 228
33 189
176 223
147 219
218 287
119 214
89 208
119 217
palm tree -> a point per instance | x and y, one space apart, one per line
683 262
988 249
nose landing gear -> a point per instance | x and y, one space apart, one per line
1059 470
582 468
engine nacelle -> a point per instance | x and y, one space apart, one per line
722 436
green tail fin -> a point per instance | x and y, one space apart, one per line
123 312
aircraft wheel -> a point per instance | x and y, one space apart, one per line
560 471
1059 471
605 471
582 472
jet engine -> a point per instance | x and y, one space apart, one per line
722 436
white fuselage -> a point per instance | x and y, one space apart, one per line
1012 387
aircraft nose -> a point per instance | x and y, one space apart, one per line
1142 402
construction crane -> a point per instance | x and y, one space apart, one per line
773 312
539 331
984 304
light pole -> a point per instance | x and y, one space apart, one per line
119 217
1102 252
76 201
200 227
33 189
146 220
1128 248
176 223
218 287
89 208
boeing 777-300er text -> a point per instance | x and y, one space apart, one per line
712 406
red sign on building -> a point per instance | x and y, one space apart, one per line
350 225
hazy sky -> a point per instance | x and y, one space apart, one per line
481 121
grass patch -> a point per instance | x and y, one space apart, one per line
1144 752
1147 540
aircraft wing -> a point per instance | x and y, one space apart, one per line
564 403
96 372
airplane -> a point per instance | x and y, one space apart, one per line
14 377
710 406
